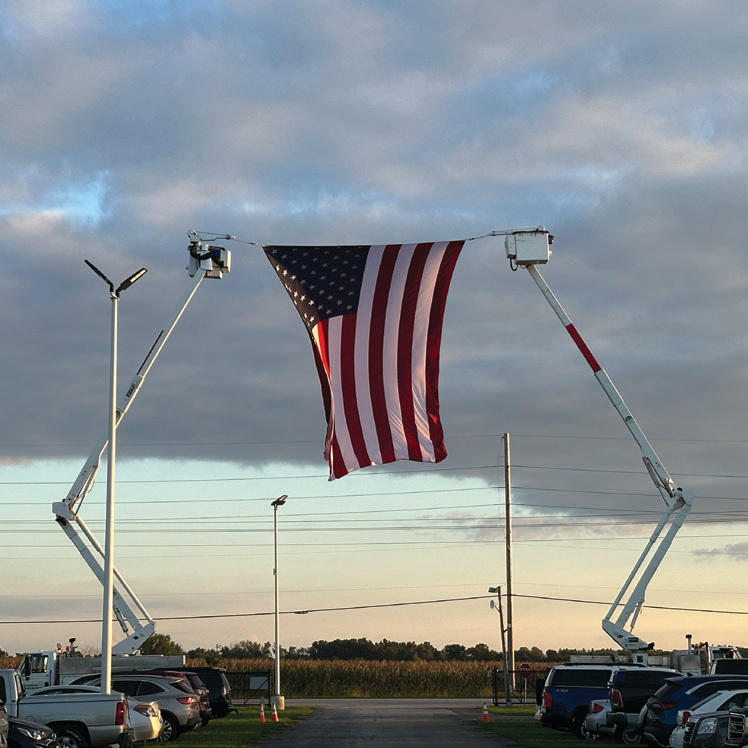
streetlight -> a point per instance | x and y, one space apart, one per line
497 606
278 700
106 627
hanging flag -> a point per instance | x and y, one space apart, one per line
374 315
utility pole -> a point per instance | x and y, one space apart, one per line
508 519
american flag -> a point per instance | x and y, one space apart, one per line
374 315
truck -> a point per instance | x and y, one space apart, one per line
80 720
54 667
205 261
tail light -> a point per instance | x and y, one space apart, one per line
686 716
146 710
616 699
597 707
664 705
120 717
547 699
186 699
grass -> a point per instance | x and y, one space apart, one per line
241 730
527 733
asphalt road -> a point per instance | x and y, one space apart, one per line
387 723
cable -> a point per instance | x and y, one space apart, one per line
386 605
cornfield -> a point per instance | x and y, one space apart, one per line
371 679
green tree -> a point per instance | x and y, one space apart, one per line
246 650
455 652
160 644
482 653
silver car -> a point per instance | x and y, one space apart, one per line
174 695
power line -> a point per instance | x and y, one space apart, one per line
344 608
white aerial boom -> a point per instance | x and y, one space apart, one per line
205 261
531 247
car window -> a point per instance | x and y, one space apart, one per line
564 677
733 701
149 687
128 687
182 686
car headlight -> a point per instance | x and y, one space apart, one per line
31 733
707 726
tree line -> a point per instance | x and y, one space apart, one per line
362 649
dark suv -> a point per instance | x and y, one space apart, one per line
568 691
219 689
681 693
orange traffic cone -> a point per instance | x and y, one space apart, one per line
484 717
274 717
262 712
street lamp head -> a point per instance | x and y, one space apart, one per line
100 274
280 501
494 590
137 275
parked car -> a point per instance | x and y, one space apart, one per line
596 723
206 710
219 689
661 710
708 730
722 701
145 718
629 689
25 733
174 695
568 691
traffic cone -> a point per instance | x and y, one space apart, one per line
274 717
262 712
484 717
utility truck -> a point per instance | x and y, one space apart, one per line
528 248
205 261
55 667
80 720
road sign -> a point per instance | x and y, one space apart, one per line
525 670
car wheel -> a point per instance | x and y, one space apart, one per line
70 737
631 736
170 730
581 731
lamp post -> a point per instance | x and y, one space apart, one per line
278 700
107 612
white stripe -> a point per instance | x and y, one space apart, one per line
363 333
391 337
340 427
420 335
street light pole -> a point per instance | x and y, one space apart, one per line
278 700
107 611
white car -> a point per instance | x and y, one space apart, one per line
145 719
721 701
596 722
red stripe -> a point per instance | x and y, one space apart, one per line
441 288
376 352
586 352
405 349
348 386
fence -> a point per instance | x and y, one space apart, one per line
526 686
251 687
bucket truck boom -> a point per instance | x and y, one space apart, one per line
205 261
531 247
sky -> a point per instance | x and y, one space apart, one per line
620 127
